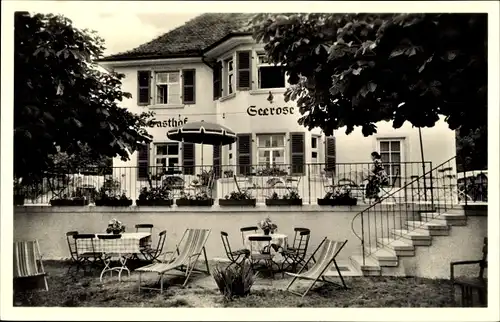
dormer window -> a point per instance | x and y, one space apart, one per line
270 76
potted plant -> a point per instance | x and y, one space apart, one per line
238 198
115 226
155 196
340 196
75 200
199 199
292 198
18 193
267 226
109 195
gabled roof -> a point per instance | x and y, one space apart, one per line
190 39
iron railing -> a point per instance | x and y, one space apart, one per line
383 222
310 181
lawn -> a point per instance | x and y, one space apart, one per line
76 290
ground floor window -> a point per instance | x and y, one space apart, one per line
271 150
391 151
166 157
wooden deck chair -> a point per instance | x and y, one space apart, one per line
184 258
28 264
328 251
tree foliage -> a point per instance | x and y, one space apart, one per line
472 150
358 69
62 102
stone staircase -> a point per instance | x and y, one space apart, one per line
404 242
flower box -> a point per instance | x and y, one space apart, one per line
283 202
194 202
165 203
337 202
236 202
113 203
69 202
18 200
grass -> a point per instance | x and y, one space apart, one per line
76 290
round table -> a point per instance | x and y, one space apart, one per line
277 239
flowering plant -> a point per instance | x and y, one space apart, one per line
267 224
115 226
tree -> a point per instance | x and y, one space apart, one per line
63 103
472 150
358 69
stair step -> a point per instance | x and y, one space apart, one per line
371 265
395 244
426 225
384 254
415 238
451 219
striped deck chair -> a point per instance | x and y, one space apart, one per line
328 251
189 249
28 263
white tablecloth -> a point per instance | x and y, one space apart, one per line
280 240
129 243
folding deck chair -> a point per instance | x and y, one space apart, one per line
328 251
184 258
28 264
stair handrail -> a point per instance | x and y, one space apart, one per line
387 196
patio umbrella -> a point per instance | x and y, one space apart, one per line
202 133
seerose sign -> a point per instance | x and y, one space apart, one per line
172 122
263 111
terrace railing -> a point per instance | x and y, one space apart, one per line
310 181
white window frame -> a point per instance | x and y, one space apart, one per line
271 149
229 73
401 151
168 83
158 166
266 64
316 167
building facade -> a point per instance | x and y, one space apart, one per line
209 70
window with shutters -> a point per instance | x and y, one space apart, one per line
188 86
229 67
143 161
244 151
217 80
168 87
315 155
244 65
391 151
166 158
269 76
143 87
271 149
297 153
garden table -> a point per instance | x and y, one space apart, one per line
280 240
129 243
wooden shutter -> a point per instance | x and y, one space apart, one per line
143 87
244 151
244 64
330 154
297 153
217 161
188 86
188 158
143 161
217 77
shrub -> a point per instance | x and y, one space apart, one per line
234 281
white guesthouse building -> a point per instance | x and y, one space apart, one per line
209 70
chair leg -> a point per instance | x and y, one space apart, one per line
206 260
340 275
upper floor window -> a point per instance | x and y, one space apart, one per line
168 89
270 76
229 65
391 153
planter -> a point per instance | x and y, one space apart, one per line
338 202
113 203
194 203
69 202
283 202
18 200
237 203
146 203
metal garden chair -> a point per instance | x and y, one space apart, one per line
154 253
87 257
296 254
245 230
235 257
72 248
262 253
